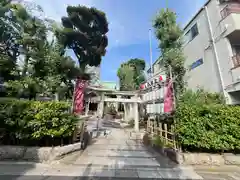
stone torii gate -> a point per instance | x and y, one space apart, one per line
102 95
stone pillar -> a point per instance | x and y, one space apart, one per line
87 107
136 117
125 112
101 106
117 103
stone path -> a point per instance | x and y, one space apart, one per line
113 157
117 156
219 173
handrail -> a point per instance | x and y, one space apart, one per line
229 9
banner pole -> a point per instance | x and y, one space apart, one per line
74 89
173 90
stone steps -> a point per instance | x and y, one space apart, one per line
57 171
113 153
117 156
98 172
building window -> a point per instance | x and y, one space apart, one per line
191 34
194 31
236 56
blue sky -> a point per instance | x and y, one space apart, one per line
129 23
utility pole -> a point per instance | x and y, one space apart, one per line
151 65
150 50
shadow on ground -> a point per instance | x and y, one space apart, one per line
116 157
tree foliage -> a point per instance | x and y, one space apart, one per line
32 122
85 33
131 74
169 35
9 34
204 123
41 68
126 76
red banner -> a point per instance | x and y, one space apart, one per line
168 98
78 101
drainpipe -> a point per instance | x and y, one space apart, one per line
216 56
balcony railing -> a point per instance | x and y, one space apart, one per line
236 60
230 8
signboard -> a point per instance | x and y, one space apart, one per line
153 82
196 64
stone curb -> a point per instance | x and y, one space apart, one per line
36 154
209 159
201 158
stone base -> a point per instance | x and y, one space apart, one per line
194 158
199 158
36 154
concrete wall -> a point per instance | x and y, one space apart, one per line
207 74
198 48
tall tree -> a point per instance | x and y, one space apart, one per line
45 68
131 74
169 35
61 70
20 32
126 76
85 33
8 29
33 33
9 48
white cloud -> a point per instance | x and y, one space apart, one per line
117 34
125 27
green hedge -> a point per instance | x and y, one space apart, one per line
33 121
208 126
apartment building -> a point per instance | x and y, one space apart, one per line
212 49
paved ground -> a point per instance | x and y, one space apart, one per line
219 173
119 157
112 157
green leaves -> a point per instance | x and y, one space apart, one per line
85 33
131 74
204 124
36 120
169 34
126 75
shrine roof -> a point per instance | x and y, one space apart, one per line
111 91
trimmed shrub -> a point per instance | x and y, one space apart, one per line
200 97
204 124
25 121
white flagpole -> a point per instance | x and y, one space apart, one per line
74 88
173 90
150 51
